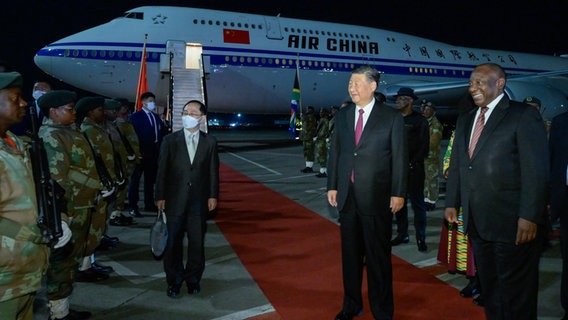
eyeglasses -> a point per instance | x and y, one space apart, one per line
187 113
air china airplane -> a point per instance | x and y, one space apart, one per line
248 62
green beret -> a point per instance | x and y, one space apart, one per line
111 104
87 104
54 99
122 101
10 79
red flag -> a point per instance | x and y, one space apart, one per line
142 80
236 36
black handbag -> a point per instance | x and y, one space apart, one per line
159 235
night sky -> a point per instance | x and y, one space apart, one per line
526 26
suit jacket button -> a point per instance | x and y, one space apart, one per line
355 154
470 167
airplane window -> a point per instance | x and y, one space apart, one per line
263 60
242 59
317 32
227 59
234 59
253 26
260 27
75 53
134 15
84 53
246 25
66 53
194 21
218 22
340 34
249 60
305 31
111 54
202 21
334 34
154 55
239 25
103 53
270 61
210 22
120 54
129 54
286 29
303 63
93 53
277 61
224 23
137 55
311 31
309 63
232 24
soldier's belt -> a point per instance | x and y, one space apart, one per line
83 179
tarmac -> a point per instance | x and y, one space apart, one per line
137 288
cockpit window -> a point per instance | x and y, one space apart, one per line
134 15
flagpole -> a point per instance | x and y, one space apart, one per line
140 76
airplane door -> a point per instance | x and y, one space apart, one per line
273 28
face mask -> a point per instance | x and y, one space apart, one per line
36 94
151 106
189 122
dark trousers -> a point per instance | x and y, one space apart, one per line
561 210
194 227
508 274
149 167
365 241
415 195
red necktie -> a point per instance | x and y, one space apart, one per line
477 130
358 133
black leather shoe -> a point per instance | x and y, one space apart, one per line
470 290
193 288
479 301
113 240
307 170
344 315
399 239
100 268
422 247
135 213
74 315
90 275
173 291
321 175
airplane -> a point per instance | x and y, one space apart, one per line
248 62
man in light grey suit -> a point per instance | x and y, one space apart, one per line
501 183
367 176
187 188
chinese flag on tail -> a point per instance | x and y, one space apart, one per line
142 80
236 36
294 102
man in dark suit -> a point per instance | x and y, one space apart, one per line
187 188
148 128
367 183
499 176
559 193
24 128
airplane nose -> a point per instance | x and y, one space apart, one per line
42 59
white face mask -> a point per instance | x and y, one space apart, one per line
189 122
37 93
151 106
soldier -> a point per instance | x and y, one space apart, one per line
432 161
71 164
322 137
23 253
308 136
91 109
122 156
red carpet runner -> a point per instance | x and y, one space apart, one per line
293 254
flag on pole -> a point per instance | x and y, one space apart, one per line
142 80
295 101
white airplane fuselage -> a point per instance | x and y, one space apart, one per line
250 60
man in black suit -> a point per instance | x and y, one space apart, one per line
149 130
367 183
187 188
559 193
499 176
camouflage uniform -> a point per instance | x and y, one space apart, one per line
126 129
72 165
308 133
432 162
102 145
23 253
119 164
322 137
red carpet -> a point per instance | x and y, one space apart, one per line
294 256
